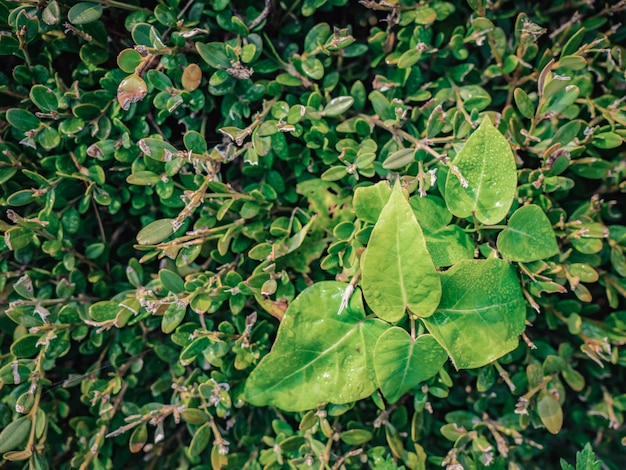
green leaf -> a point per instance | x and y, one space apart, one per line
487 163
586 459
138 438
25 346
14 434
143 178
24 287
482 312
401 362
321 354
104 310
607 140
128 60
431 212
399 159
195 142
317 35
155 232
356 437
524 104
8 44
193 349
172 317
398 272
409 58
84 12
571 62
338 106
474 97
550 412
44 98
528 236
48 138
157 149
200 440
369 201
313 68
171 281
159 80
22 120
449 245
214 54
334 173
94 250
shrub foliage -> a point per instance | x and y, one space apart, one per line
312 234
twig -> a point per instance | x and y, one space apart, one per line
255 22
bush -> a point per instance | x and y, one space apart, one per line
269 234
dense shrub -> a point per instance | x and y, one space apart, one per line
426 197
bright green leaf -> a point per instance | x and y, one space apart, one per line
449 245
528 236
321 354
431 212
313 68
128 60
524 103
369 201
482 312
401 362
487 163
398 272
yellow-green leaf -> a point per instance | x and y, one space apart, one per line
398 272
486 161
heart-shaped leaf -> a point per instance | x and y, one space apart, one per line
486 161
401 362
398 272
528 236
482 312
321 354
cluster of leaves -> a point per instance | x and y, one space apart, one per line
267 234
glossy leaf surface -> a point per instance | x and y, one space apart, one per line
402 363
320 355
398 272
482 312
528 236
449 245
487 163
